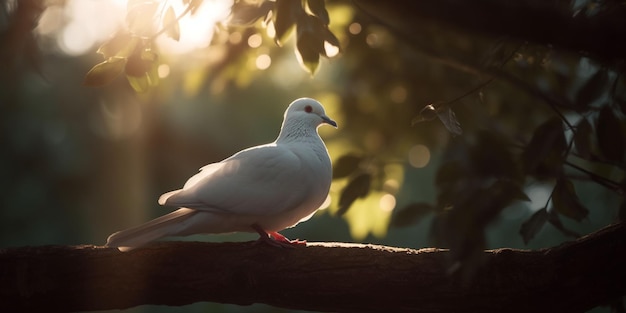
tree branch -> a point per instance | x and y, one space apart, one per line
572 277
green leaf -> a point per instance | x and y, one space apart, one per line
346 165
286 13
566 202
582 138
358 187
309 43
544 155
103 73
533 225
170 24
411 214
610 135
318 8
593 88
246 14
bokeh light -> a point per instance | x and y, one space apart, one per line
419 156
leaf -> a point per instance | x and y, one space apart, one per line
544 155
411 214
593 88
346 165
194 5
533 225
141 17
448 118
318 8
554 219
246 14
566 202
491 157
286 13
358 187
610 135
582 138
103 73
140 62
309 43
121 44
170 24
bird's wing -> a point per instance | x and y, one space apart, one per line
260 180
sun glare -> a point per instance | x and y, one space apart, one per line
81 25
196 30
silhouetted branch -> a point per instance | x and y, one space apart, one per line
573 277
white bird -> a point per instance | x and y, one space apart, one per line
262 189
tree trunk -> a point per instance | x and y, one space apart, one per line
572 277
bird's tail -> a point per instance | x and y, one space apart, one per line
166 225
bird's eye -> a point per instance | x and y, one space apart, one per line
308 109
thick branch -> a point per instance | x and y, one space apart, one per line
572 277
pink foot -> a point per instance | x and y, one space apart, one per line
277 240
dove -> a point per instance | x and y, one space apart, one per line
263 189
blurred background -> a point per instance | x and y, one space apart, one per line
82 158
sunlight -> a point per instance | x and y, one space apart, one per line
196 31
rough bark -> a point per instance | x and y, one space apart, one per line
544 22
572 277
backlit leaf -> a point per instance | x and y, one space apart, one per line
318 8
533 225
610 135
141 18
566 202
286 13
103 73
358 187
246 14
346 165
170 24
411 214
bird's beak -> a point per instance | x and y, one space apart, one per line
328 121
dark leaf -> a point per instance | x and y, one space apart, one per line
140 62
286 13
346 165
170 24
246 14
554 219
411 214
308 49
533 225
610 135
491 201
318 8
103 73
491 157
566 202
582 138
593 88
358 187
544 155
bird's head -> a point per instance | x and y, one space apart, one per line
309 112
